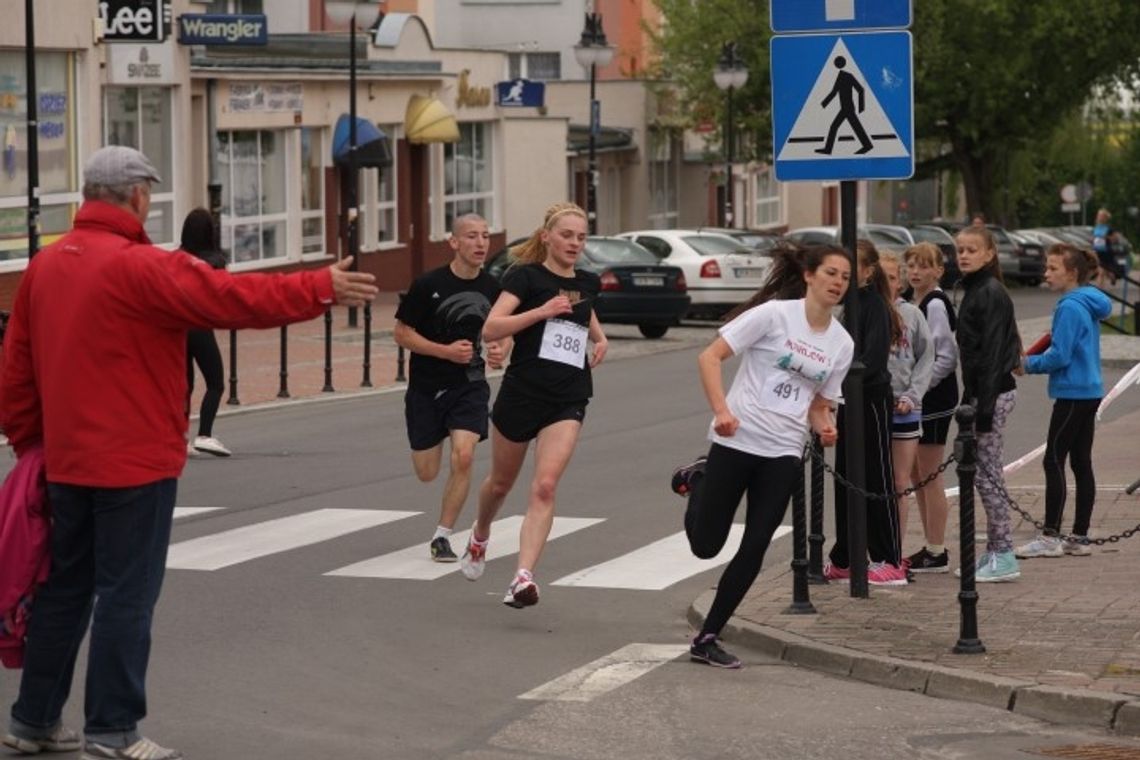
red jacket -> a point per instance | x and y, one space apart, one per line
25 551
95 352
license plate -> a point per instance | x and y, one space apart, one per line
648 281
749 272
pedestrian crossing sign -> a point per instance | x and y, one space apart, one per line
842 106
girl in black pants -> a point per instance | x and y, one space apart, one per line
199 239
794 357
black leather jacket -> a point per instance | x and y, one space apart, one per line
989 347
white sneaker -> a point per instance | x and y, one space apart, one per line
143 749
523 591
190 450
211 445
1078 547
1042 546
474 559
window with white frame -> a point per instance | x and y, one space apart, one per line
767 198
537 66
252 165
664 179
378 202
58 159
140 117
235 6
312 192
468 174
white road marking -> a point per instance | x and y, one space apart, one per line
239 545
607 673
414 563
180 512
657 565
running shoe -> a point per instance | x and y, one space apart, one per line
211 445
836 574
922 561
682 476
523 591
474 559
982 560
59 739
440 549
143 749
1001 567
706 649
885 574
1077 546
1042 546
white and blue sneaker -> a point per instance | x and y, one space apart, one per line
1002 566
1042 546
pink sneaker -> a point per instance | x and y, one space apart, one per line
885 574
836 574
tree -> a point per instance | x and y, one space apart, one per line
991 76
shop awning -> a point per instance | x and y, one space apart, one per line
429 121
607 139
373 149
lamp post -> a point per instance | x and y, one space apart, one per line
730 75
33 145
591 52
341 12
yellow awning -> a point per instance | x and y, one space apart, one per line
428 121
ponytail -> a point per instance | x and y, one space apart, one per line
1080 260
869 256
533 250
786 280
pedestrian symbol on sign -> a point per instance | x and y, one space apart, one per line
845 86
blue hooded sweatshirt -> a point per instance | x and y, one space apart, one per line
1073 358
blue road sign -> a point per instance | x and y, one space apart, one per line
520 93
842 106
838 15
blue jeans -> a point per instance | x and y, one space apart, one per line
108 553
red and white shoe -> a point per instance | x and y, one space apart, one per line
523 591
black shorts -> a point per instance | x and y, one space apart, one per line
431 416
936 429
902 431
520 417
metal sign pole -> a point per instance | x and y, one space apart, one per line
853 405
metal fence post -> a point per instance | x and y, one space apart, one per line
283 391
801 597
816 537
328 352
233 399
966 453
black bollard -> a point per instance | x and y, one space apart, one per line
283 390
367 381
801 597
816 537
233 399
966 453
853 433
328 352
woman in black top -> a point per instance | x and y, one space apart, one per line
199 239
547 306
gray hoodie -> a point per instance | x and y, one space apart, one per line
911 362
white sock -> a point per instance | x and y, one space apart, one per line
441 531
936 549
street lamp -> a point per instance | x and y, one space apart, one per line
591 52
344 12
730 75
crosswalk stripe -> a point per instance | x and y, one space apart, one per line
657 565
413 563
232 547
607 673
180 512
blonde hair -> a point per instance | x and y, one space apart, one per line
926 254
533 251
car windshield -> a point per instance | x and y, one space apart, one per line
935 235
714 245
883 237
614 251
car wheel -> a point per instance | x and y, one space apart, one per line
653 331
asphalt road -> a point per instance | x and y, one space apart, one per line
273 658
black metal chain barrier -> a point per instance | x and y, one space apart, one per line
1040 524
817 456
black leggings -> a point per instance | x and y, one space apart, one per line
712 505
202 348
882 514
1070 435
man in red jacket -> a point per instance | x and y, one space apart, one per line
95 369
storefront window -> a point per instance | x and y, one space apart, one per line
468 181
312 193
140 118
253 168
58 162
767 199
664 175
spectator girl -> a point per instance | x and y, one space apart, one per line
990 349
794 356
1072 362
924 270
548 306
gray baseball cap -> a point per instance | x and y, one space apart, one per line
118 165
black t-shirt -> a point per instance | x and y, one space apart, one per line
530 373
444 308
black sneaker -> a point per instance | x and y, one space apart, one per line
441 550
922 561
706 649
683 475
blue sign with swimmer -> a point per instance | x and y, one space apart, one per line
836 15
520 93
842 106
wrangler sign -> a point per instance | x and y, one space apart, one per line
217 29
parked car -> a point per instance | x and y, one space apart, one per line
1122 247
928 234
636 288
884 236
1016 264
760 241
721 272
1032 258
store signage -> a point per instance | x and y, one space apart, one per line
133 20
520 93
469 95
222 29
140 64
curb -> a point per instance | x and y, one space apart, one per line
1085 707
